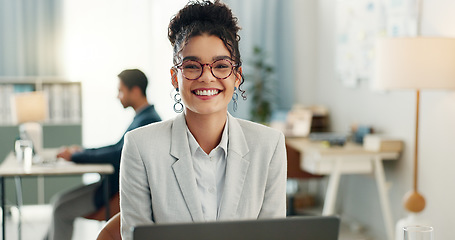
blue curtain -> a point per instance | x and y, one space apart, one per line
30 37
267 24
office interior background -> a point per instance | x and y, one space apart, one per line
92 41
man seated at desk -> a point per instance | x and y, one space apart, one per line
87 199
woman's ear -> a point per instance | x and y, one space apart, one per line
174 80
238 77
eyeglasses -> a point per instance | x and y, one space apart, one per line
192 69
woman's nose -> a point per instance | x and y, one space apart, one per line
207 75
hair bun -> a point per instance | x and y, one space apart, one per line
205 12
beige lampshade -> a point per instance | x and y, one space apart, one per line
415 63
30 107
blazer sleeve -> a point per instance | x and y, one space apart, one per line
274 204
135 197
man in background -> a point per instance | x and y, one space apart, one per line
89 198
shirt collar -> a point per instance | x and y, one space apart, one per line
194 145
142 109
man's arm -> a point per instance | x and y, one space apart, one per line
109 154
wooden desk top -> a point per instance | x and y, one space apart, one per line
307 146
317 158
11 167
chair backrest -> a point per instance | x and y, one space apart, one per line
111 231
114 208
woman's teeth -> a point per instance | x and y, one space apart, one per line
206 92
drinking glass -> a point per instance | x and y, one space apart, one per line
20 146
418 233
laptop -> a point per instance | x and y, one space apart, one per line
290 228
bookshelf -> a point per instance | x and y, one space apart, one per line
64 98
62 127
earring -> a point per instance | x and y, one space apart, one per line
235 97
178 106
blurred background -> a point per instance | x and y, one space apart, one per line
310 52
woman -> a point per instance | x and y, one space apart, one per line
204 165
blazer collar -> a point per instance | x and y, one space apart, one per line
179 141
237 142
183 168
236 169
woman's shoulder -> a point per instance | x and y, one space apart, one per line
152 129
257 130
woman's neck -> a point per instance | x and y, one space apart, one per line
206 129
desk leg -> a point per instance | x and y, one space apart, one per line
2 183
106 197
19 203
332 189
383 195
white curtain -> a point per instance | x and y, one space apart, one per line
267 24
30 38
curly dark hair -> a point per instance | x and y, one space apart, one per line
204 17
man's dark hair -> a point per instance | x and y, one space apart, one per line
134 77
204 17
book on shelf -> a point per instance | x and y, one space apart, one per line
21 88
47 92
56 114
74 103
65 103
6 91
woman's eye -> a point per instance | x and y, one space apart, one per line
222 66
191 66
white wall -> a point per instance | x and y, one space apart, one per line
104 37
393 114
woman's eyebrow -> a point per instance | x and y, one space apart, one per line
221 57
191 58
194 58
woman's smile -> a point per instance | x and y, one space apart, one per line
206 93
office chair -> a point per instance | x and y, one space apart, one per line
111 231
100 214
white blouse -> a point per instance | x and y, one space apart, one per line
210 172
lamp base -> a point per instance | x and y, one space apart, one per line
414 201
411 220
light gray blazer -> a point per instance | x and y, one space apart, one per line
157 182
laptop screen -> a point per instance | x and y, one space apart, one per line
291 228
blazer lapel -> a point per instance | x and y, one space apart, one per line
183 168
236 170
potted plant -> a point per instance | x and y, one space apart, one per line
261 88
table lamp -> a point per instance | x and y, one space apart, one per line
30 110
415 63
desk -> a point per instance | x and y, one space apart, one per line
349 159
12 168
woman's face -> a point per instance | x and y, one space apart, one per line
207 94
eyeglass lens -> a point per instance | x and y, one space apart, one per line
220 69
